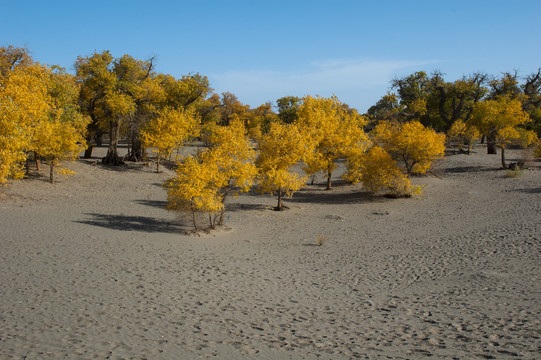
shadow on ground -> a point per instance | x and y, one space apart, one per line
132 223
469 169
160 204
529 190
335 197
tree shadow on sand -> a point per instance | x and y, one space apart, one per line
234 207
469 169
160 204
529 190
335 197
132 223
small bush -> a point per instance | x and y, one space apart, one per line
513 173
321 240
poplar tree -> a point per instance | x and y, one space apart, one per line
334 130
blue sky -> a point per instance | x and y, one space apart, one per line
264 50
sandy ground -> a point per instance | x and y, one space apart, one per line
93 267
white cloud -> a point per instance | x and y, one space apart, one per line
360 83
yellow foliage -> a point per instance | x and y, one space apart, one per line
168 131
38 113
24 104
417 106
58 141
377 171
203 182
279 150
192 189
491 116
410 143
334 130
234 155
13 141
515 136
463 133
501 119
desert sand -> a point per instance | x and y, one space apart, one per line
93 267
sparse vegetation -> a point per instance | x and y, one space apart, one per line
321 240
518 172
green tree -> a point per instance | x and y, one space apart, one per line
451 102
288 106
532 102
387 108
413 92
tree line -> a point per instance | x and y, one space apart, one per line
49 114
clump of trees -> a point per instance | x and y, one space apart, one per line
167 132
205 180
39 117
501 111
334 131
48 114
323 131
398 150
501 120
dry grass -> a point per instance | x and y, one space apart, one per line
513 173
321 240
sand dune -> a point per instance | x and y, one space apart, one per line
93 267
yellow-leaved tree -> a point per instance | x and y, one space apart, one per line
500 120
232 152
204 181
464 134
334 129
24 102
61 135
168 131
397 151
378 172
192 189
410 143
280 149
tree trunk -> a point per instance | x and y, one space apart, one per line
27 165
88 152
503 158
112 157
98 137
158 165
279 206
51 173
491 145
329 184
193 216
221 221
137 151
